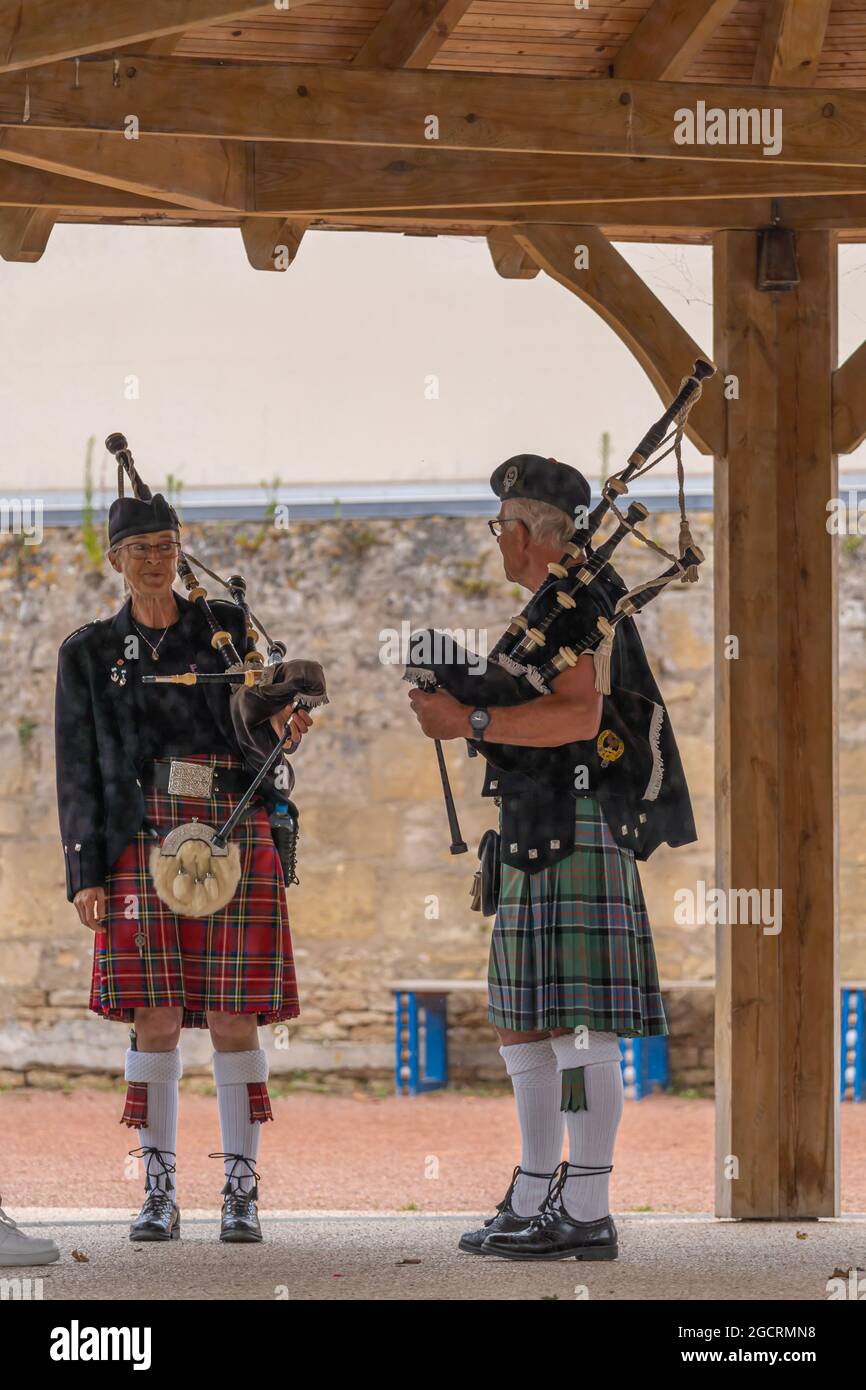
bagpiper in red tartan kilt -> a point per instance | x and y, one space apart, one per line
121 743
238 960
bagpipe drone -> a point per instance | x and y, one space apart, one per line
196 869
579 608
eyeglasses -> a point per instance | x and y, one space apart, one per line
140 550
498 522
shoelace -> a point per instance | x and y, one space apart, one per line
156 1199
158 1158
229 1190
506 1200
547 1212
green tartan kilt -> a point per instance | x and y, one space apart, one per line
572 943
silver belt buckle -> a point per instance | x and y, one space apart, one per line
190 779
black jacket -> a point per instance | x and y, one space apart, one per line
99 764
537 788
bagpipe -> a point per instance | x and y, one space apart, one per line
579 608
196 869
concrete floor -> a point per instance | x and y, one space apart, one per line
412 1255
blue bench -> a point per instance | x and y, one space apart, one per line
421 1040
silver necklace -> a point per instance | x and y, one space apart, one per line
154 650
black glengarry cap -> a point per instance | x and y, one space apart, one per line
540 479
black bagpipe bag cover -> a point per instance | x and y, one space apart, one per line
629 713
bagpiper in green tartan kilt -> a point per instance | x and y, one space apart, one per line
572 943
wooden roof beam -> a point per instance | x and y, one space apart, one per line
849 402
410 33
790 44
197 174
24 233
22 187
618 295
668 38
353 106
33 32
304 180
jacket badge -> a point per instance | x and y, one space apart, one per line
118 672
609 747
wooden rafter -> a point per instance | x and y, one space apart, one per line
680 218
198 174
24 233
271 243
21 186
789 48
353 106
510 259
618 294
319 178
411 33
306 180
33 32
849 402
669 37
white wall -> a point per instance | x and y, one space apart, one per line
319 374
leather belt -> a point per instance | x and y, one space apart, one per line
193 779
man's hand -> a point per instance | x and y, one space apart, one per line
301 722
440 715
89 903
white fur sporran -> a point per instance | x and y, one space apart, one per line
193 876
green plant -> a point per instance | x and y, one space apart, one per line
93 541
852 544
355 539
472 583
271 490
173 489
605 452
26 729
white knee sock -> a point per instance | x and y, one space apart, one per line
161 1071
240 1135
591 1132
535 1078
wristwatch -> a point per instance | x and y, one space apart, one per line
479 719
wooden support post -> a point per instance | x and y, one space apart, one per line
777 995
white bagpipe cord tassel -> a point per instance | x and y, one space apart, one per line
601 657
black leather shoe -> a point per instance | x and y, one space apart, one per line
554 1235
240 1220
506 1219
159 1218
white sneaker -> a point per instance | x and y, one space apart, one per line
16 1248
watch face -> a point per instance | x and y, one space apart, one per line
479 719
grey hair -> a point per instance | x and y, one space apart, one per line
545 524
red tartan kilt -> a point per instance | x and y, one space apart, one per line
238 960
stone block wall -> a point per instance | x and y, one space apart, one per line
380 897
